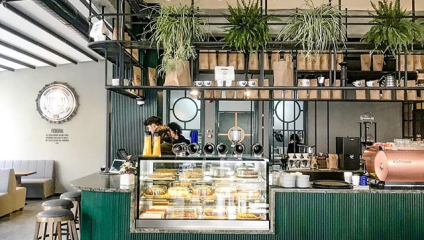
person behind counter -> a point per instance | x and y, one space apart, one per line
176 132
293 146
165 139
152 123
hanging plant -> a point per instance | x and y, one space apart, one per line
394 32
316 29
249 29
174 30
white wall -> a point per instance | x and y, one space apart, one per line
23 131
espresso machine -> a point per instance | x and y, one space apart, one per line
395 167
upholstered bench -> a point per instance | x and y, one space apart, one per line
12 198
39 185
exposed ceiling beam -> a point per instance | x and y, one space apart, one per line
24 52
7 68
11 59
48 30
35 42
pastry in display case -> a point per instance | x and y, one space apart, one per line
203 188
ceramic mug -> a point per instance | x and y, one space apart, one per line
220 83
304 82
251 83
198 83
370 83
126 82
357 83
115 82
242 83
207 83
228 83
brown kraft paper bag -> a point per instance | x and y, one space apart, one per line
386 95
409 63
333 161
325 62
179 77
136 76
400 94
208 94
152 76
313 94
222 59
302 94
264 94
254 94
266 61
216 93
417 62
377 62
275 57
240 61
375 94
203 60
326 94
212 59
361 94
339 59
253 61
301 62
365 62
283 76
232 60
310 63
337 94
411 94
317 62
240 94
229 94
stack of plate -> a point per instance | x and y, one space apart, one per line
303 181
288 180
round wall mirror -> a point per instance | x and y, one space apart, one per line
185 109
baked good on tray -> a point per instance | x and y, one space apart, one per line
161 175
178 192
225 192
214 213
246 173
248 216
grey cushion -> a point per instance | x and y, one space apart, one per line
56 213
70 195
44 168
58 203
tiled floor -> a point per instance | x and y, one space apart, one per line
20 226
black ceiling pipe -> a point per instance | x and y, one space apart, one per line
7 68
17 61
67 14
24 52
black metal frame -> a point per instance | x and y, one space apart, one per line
24 52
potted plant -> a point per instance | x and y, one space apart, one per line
394 33
249 30
174 30
316 29
127 172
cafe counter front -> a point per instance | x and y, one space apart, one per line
110 210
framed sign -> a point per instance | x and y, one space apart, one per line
57 102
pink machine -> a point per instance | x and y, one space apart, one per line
396 167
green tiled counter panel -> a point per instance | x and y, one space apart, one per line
300 216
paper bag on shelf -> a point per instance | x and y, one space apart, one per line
339 59
240 94
203 60
212 59
302 94
283 76
152 76
310 63
337 94
240 61
266 61
400 94
361 94
253 61
409 62
313 94
301 62
333 161
136 76
316 62
216 93
386 95
179 77
232 60
133 52
411 94
229 94
326 94
253 94
377 62
264 94
288 57
222 58
417 62
375 94
325 62
365 62
275 57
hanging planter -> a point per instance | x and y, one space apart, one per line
393 32
249 30
316 29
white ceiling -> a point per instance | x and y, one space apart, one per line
38 13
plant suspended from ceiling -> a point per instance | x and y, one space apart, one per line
316 29
393 32
174 30
249 30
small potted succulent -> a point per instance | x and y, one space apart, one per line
127 172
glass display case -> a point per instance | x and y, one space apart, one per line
203 193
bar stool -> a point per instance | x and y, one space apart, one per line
50 220
57 204
75 197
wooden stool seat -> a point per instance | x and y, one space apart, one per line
57 204
50 223
75 197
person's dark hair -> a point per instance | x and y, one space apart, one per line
294 137
153 120
175 127
165 135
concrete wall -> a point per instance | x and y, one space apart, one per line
23 131
343 121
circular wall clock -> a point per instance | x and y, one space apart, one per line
57 102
